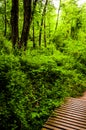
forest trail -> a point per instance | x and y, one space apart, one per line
84 96
70 116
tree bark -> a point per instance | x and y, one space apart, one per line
49 32
33 26
40 31
45 29
28 16
14 22
33 34
5 19
58 15
26 23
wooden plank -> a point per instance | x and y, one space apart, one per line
77 99
75 104
73 123
70 116
80 113
64 125
69 119
71 113
50 127
60 126
74 108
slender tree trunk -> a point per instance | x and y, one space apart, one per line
49 28
14 21
45 33
58 15
33 28
40 31
5 23
33 34
49 33
34 6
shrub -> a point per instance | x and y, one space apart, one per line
34 83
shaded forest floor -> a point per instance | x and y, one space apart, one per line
83 96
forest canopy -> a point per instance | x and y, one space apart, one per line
42 59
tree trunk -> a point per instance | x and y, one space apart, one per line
49 33
26 24
14 22
33 28
28 16
58 15
5 19
40 31
45 30
33 35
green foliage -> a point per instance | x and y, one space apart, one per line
33 83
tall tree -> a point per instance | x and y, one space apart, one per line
28 16
58 14
33 27
71 18
45 29
14 21
5 19
33 34
43 13
26 23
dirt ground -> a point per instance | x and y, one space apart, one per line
84 96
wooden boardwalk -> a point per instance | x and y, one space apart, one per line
70 116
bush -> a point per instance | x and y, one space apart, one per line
34 83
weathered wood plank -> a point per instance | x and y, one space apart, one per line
70 116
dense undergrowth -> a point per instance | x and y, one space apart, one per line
34 82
